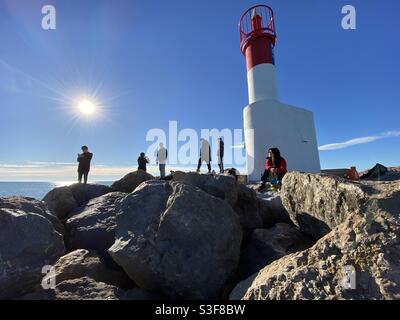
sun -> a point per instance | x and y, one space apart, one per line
87 107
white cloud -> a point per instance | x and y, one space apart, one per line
356 141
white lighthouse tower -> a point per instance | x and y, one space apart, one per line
267 122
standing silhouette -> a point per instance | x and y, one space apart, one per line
84 160
220 155
205 155
142 162
162 155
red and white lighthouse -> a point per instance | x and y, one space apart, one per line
268 122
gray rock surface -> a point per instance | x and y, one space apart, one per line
34 206
267 245
83 288
248 209
28 242
83 263
177 240
366 242
92 226
131 181
317 203
61 201
223 187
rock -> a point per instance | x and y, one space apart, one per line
63 200
84 263
247 207
223 187
131 181
85 192
83 288
368 240
267 245
92 226
317 202
86 288
177 240
28 242
34 206
271 209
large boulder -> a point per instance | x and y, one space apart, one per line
177 240
248 209
267 245
83 263
28 242
131 181
34 206
84 288
317 202
92 226
271 208
223 187
358 259
63 200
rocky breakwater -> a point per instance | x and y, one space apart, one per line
194 237
357 253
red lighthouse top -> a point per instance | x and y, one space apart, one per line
257 35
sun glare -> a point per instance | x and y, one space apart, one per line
87 107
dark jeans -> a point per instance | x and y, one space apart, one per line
267 176
199 165
84 175
221 165
162 170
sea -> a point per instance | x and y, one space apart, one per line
35 189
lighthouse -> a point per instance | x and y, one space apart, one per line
267 121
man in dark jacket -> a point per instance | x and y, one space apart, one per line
142 162
220 155
84 159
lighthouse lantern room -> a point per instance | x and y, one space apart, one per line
267 122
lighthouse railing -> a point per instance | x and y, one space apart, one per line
266 16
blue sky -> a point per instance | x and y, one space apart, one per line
150 62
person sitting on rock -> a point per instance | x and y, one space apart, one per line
142 162
275 168
84 160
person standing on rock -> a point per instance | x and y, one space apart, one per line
142 162
275 168
205 155
84 160
162 155
220 155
